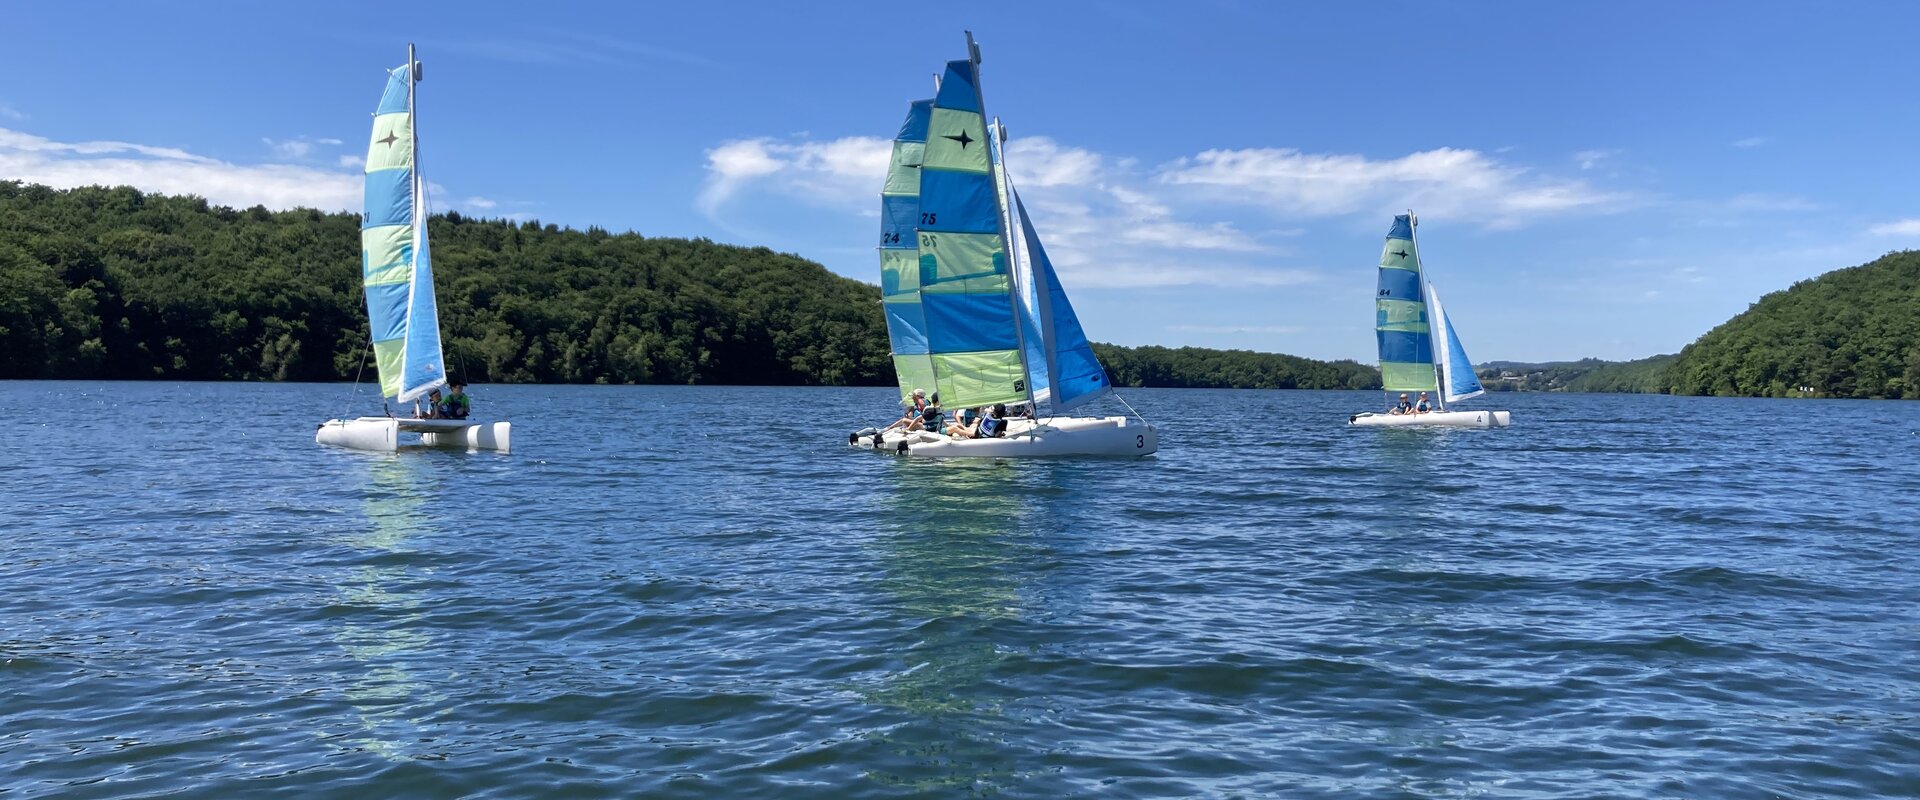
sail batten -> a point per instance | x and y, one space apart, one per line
396 272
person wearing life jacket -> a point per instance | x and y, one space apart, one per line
964 423
1403 407
994 425
1423 407
433 406
928 419
913 412
456 406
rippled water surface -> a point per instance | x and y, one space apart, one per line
702 592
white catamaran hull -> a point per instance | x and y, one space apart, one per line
1061 436
1436 419
383 433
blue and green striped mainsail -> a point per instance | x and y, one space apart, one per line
395 268
945 280
1400 318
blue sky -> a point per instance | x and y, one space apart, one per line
1603 179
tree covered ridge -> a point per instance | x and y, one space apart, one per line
1853 332
115 283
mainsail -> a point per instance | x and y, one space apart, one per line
964 318
395 267
1400 315
1457 381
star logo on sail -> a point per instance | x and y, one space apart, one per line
389 140
963 139
1400 253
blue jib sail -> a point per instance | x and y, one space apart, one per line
1460 382
1074 374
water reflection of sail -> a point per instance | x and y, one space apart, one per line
385 686
954 556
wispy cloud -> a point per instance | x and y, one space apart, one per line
297 148
844 173
171 170
1464 184
354 160
1751 141
1588 159
11 113
1905 227
478 204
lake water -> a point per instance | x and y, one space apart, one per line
702 592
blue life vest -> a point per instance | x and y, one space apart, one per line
992 426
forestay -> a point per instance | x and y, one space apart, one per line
394 258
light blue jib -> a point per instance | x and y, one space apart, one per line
1074 374
1460 382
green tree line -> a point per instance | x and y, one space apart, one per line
114 283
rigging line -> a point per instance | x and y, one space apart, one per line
1123 401
355 394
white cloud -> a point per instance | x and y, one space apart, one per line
842 172
1588 159
478 203
11 113
1037 161
1905 227
289 148
297 148
353 160
1452 182
1751 141
65 165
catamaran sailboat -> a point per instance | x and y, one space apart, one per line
397 273
974 310
1419 352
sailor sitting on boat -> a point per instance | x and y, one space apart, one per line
1423 406
456 405
1402 407
433 406
912 420
963 423
991 425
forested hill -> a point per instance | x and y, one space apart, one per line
1849 333
115 283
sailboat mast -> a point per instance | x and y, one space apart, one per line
1439 380
1006 240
